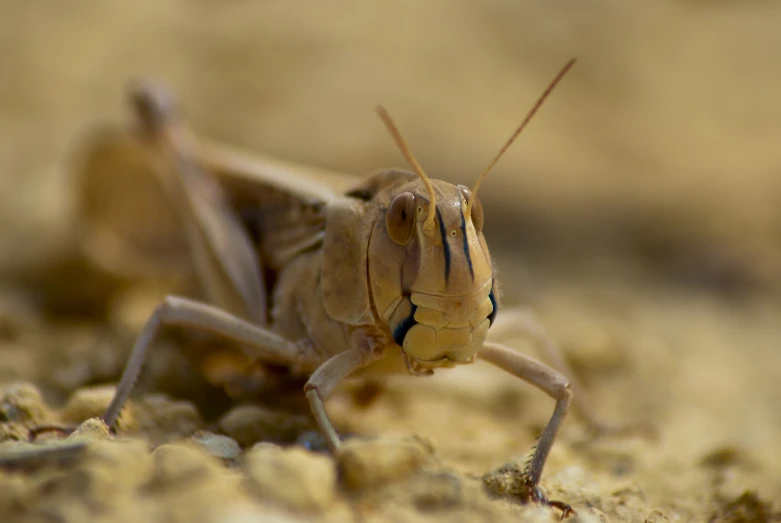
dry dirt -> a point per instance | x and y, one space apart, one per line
638 215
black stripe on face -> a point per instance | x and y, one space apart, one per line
466 243
445 246
492 316
401 330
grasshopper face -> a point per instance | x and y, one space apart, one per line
454 259
444 300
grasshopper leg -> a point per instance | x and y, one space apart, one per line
257 342
525 322
554 385
322 384
226 263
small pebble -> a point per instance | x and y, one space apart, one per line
249 424
22 403
312 440
164 420
373 463
179 464
93 428
123 453
219 446
109 470
189 485
507 480
293 478
433 491
92 402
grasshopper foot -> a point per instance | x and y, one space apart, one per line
535 494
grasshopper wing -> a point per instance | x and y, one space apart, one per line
125 222
132 224
282 205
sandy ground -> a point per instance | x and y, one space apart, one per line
638 216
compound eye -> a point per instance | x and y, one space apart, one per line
477 209
400 218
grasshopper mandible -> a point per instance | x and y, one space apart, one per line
393 275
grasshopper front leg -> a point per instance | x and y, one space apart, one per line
525 323
322 384
556 386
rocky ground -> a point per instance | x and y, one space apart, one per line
437 449
638 217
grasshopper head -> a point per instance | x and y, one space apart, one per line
429 266
431 274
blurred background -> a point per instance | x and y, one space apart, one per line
639 212
662 141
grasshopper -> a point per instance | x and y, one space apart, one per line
391 275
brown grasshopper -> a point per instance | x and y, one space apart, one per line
392 275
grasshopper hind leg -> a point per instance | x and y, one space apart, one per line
258 343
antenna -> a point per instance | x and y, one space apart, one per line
515 134
402 145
